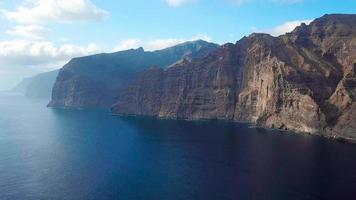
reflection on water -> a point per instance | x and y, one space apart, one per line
64 154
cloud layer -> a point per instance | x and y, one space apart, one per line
240 2
18 53
22 58
34 32
41 11
30 53
177 3
156 44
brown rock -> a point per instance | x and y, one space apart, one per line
302 81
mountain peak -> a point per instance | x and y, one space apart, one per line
327 26
337 16
333 19
140 49
194 43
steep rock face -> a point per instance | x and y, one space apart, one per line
39 86
302 81
94 81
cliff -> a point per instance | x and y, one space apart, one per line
95 81
39 86
303 81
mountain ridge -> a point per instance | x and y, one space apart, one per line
37 86
94 81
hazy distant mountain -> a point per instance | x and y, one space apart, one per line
22 86
95 81
303 81
39 86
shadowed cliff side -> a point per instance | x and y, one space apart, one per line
39 86
95 81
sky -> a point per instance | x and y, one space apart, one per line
42 35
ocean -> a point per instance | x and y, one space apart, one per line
90 154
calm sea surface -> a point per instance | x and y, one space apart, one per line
61 154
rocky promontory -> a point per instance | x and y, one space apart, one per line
96 81
303 81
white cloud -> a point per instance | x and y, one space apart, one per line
41 11
156 44
287 27
23 58
131 43
202 36
34 32
240 2
24 53
162 43
150 45
177 3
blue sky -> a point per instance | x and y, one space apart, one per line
41 35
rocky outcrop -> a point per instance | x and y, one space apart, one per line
39 86
95 81
303 81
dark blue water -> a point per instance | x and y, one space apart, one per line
58 154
